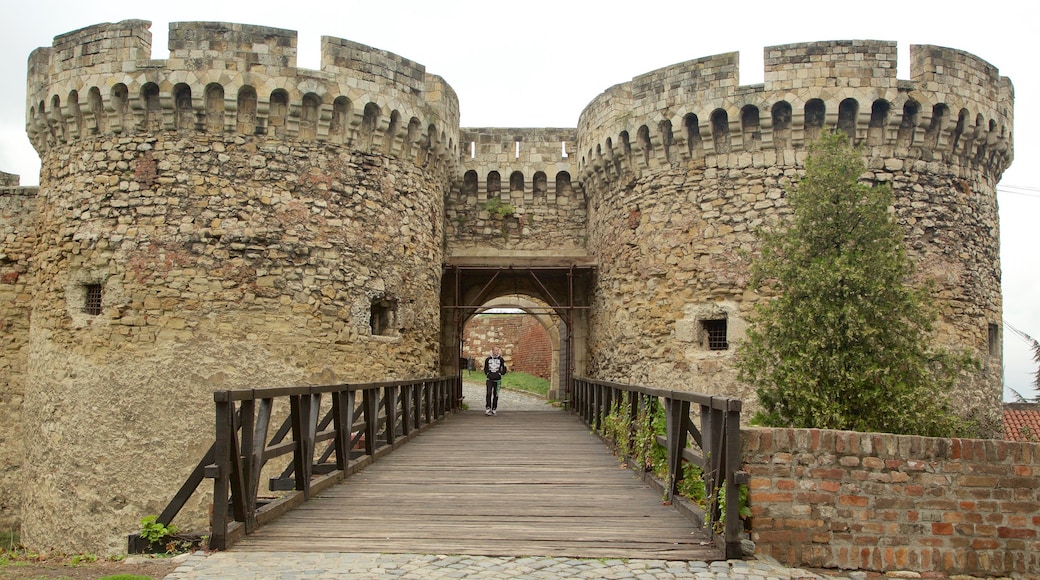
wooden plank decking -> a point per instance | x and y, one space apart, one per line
523 483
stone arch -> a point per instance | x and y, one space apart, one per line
643 136
75 114
370 119
214 108
152 107
516 182
540 184
908 125
693 135
278 113
848 113
121 106
563 183
959 130
936 126
57 120
391 132
414 134
469 183
494 183
339 125
720 130
184 112
665 129
310 115
815 115
626 150
96 121
878 121
245 116
538 310
751 129
781 115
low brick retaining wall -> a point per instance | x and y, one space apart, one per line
882 502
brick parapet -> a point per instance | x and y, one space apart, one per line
883 502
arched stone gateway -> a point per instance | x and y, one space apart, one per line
225 219
564 290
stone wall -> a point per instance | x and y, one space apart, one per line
678 187
16 246
529 171
223 219
880 502
525 344
188 242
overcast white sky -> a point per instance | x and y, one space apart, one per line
537 63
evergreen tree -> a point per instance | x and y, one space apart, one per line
845 344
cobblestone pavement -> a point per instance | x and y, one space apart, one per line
321 566
363 566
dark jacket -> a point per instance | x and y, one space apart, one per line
494 367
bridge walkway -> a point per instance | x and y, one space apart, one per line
522 483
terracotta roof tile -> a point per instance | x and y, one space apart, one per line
1022 421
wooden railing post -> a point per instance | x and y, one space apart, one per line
223 429
732 463
677 417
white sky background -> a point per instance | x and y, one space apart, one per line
537 63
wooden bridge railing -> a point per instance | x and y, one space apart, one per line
361 423
716 454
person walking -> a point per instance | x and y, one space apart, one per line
494 368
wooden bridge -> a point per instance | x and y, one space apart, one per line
522 483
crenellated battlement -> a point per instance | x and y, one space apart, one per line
241 79
956 107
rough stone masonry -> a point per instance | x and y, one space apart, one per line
225 219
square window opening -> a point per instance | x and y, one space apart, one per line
715 334
92 299
383 316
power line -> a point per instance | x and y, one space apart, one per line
1022 190
1025 337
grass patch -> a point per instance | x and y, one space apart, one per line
513 380
9 540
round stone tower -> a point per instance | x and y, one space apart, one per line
682 164
220 219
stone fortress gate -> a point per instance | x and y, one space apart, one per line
223 219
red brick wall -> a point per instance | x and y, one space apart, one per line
835 499
524 342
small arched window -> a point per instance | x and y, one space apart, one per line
720 130
121 104
97 111
340 123
184 114
245 119
939 114
516 182
665 129
908 126
848 112
781 114
540 184
152 107
815 114
494 183
878 121
643 136
309 117
214 108
278 113
693 135
563 183
469 183
750 128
